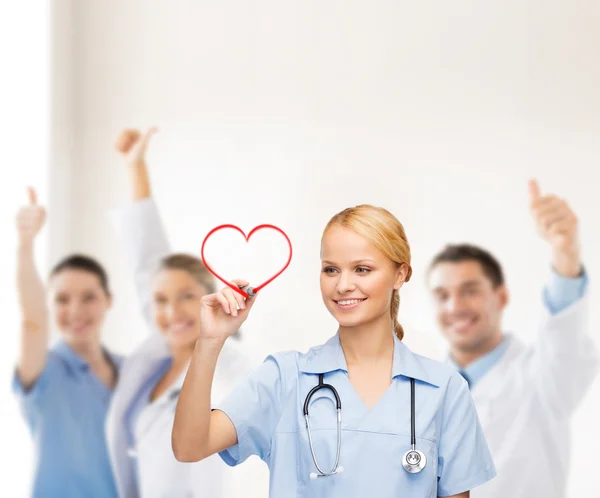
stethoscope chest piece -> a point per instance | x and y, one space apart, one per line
414 461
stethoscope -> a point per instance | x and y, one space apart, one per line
413 461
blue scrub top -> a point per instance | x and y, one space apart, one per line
266 411
65 411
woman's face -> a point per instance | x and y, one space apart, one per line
78 304
177 306
357 280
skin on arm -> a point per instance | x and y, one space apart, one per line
132 145
31 294
466 494
147 241
199 432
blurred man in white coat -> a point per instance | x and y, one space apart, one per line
525 395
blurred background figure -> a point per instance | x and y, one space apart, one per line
284 112
64 392
169 287
525 395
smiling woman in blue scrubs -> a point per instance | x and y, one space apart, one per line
64 392
365 260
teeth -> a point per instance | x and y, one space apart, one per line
349 302
178 326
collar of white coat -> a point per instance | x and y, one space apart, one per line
330 357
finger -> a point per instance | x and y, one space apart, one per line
548 200
552 209
534 191
228 293
241 301
221 300
552 218
32 195
562 226
126 139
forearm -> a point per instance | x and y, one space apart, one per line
139 181
34 315
567 263
191 430
30 288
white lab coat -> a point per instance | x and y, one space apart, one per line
525 403
160 475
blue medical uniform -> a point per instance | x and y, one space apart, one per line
65 411
266 411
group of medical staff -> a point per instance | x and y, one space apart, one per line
358 415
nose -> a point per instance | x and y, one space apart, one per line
172 311
345 283
454 304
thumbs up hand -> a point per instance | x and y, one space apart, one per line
133 145
30 218
558 225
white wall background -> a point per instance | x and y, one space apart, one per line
287 112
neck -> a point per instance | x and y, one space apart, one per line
367 343
91 352
464 357
181 356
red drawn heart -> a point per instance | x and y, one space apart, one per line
254 230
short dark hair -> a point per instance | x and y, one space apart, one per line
84 263
456 253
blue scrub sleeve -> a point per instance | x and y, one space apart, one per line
32 398
464 460
254 408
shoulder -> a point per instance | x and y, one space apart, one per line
435 373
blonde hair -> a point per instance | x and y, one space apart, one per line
386 233
191 265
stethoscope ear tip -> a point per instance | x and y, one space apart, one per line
339 470
313 475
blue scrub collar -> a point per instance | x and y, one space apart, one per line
329 357
76 362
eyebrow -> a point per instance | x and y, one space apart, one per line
468 283
352 262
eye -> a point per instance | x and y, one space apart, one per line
160 300
189 296
88 298
441 298
62 299
363 270
472 291
329 270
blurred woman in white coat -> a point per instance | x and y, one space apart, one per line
141 416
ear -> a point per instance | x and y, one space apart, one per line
401 273
503 296
110 301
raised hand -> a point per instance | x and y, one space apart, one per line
220 317
558 225
30 218
132 145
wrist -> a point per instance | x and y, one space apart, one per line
567 263
25 246
209 346
137 164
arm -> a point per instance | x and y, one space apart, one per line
466 494
31 294
199 432
564 360
139 225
